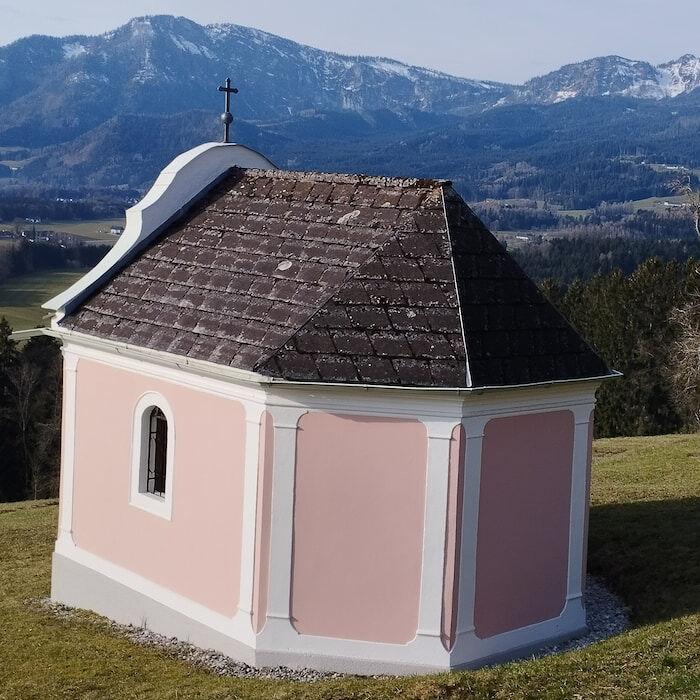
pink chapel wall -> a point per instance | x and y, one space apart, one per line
197 553
524 513
358 527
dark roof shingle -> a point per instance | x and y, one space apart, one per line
339 278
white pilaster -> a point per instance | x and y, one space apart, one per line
474 437
65 504
250 487
577 522
435 527
278 626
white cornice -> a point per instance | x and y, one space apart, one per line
430 400
177 187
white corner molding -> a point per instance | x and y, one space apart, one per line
471 488
577 517
65 503
278 628
177 187
250 499
435 527
162 506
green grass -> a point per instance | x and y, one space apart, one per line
21 296
97 230
645 540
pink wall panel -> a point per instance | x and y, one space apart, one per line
358 527
524 511
263 520
453 539
197 553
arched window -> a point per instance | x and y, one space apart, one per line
153 454
157 452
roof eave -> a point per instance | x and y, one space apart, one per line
249 377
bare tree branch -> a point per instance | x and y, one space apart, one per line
682 186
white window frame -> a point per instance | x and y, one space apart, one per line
161 506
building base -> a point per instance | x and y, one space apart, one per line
77 585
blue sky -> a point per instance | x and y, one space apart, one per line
507 40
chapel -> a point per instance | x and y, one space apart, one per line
322 420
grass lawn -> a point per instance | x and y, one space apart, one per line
21 296
644 539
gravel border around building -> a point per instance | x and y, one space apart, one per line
606 616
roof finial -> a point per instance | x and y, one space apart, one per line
227 117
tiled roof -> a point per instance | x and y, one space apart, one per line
339 278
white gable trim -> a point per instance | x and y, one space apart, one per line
177 187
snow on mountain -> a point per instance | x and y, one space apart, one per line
53 90
165 64
612 75
73 50
683 75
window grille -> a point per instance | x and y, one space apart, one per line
157 452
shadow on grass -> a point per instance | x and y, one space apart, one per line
649 553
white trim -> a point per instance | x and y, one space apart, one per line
212 369
577 515
323 652
162 506
471 488
28 333
516 403
278 625
201 368
249 516
65 503
159 593
474 652
435 527
178 185
173 374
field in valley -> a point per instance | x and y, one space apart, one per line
21 296
97 230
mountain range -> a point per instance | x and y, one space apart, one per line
106 110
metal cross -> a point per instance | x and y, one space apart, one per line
227 117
